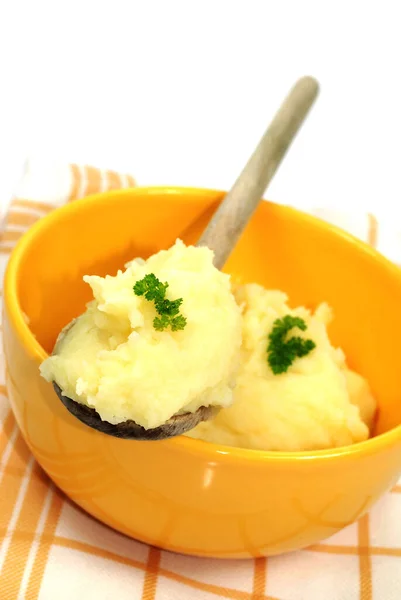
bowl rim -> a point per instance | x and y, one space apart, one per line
190 445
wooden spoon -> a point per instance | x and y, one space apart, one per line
221 236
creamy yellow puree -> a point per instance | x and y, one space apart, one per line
319 403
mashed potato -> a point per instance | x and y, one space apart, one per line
112 358
318 403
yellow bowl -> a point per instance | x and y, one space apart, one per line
183 494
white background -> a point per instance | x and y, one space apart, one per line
180 92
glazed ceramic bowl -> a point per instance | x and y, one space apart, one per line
182 494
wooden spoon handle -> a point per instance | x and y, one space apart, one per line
234 212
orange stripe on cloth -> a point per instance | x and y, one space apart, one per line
64 542
76 182
6 250
259 578
365 563
6 432
18 551
43 207
131 181
354 551
113 180
11 235
379 551
93 180
396 489
45 544
22 219
373 226
8 240
152 568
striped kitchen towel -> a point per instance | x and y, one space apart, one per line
51 550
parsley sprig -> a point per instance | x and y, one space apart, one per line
169 310
282 352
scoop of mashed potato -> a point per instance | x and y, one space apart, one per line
113 360
318 403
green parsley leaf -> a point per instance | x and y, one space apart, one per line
281 352
169 310
161 323
168 307
150 287
178 323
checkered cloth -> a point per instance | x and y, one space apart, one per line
51 550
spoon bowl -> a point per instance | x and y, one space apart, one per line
129 430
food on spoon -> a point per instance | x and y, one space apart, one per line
160 338
294 391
